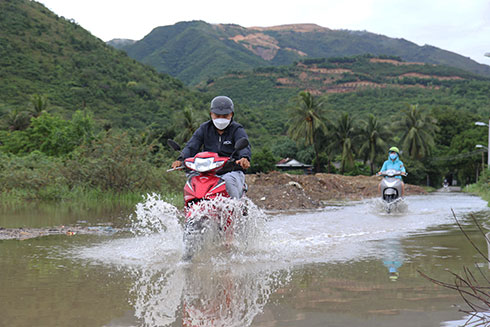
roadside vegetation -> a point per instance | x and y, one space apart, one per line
52 159
481 187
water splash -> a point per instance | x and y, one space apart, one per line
221 224
154 215
399 206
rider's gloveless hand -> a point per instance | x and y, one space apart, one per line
176 164
244 163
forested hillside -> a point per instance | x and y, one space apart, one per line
197 51
358 85
41 53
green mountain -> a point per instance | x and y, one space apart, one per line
41 53
197 51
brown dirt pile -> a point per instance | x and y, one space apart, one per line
282 191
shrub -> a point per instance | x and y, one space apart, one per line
263 161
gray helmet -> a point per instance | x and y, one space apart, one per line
221 105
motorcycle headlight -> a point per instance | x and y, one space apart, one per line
204 164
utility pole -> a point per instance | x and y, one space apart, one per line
479 123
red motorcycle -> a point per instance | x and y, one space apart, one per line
208 216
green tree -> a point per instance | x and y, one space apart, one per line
114 162
344 136
418 130
50 134
263 161
16 120
306 117
189 122
373 139
284 147
39 105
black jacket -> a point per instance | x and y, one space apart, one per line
207 137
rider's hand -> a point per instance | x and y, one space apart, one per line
176 164
243 162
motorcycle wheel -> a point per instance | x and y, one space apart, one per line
193 238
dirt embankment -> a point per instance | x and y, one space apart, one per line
282 191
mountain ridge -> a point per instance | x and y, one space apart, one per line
195 51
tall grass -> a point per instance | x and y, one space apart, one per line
481 188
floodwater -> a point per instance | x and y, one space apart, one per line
350 265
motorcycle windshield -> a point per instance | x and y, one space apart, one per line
392 173
204 164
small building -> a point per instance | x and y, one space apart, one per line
291 164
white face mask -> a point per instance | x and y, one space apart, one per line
221 123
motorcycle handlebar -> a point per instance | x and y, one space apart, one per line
176 168
384 174
230 165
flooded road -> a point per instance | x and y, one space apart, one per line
348 265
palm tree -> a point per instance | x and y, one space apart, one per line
39 105
306 119
344 137
16 120
418 131
373 135
190 121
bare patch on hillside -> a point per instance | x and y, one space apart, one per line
334 71
262 45
394 62
301 28
441 78
284 81
301 53
303 76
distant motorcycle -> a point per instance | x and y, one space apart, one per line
203 221
391 187
445 185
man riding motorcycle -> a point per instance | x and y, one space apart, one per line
394 163
220 135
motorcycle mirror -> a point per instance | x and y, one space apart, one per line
241 144
174 145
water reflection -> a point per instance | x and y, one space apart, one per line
157 295
201 295
393 257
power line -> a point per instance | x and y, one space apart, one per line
458 156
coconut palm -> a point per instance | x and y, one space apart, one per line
373 140
39 105
190 121
344 136
306 119
16 120
418 131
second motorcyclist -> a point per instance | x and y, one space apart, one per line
394 163
219 135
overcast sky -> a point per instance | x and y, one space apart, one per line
461 26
